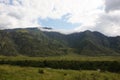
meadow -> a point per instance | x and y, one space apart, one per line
69 67
8 72
69 57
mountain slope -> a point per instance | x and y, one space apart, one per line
34 42
88 43
7 46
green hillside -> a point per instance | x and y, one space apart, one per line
89 43
34 42
29 42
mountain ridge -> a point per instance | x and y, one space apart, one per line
35 42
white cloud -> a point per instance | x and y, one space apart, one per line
108 20
91 14
109 23
25 12
15 15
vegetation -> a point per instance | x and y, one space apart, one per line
31 54
34 42
71 57
72 67
29 42
75 65
111 64
28 73
89 43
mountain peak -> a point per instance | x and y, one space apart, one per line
87 31
35 42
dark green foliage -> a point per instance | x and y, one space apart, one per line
65 74
41 71
112 66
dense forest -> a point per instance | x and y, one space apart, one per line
111 66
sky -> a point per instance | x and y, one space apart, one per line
65 16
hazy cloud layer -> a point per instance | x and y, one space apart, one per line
112 5
95 15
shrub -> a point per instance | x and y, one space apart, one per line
41 71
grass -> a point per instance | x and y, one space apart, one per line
29 73
8 72
66 57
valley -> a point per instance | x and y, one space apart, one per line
32 54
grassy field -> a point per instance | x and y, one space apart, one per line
66 57
29 73
12 72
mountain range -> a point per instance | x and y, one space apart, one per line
35 42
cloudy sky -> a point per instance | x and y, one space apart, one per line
63 15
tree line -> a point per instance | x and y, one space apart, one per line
112 66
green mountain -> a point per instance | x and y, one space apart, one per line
34 42
89 43
92 43
30 42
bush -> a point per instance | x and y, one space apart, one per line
65 74
41 71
